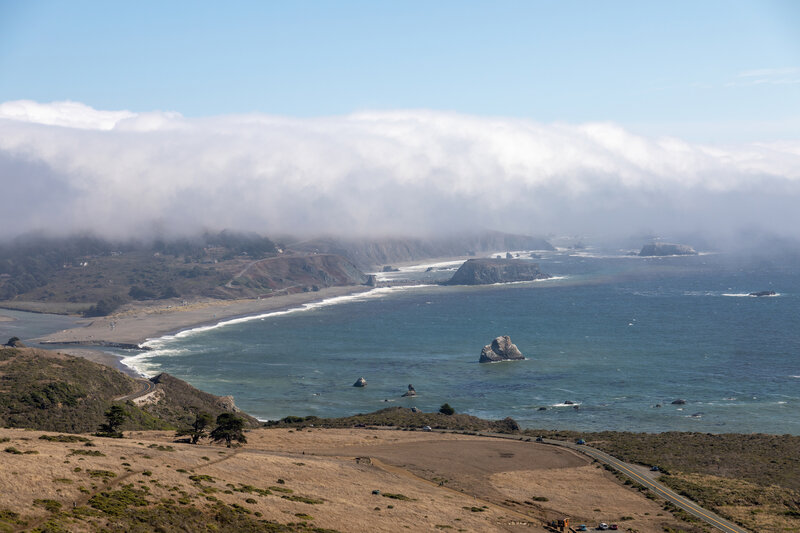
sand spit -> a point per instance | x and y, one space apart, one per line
136 325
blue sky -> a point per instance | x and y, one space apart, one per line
712 71
600 118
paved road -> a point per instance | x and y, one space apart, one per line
661 490
147 387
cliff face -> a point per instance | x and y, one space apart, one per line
371 254
664 248
487 271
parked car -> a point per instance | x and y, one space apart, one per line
603 526
539 439
655 469
426 428
614 527
583 527
580 441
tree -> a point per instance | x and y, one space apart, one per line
198 429
229 428
445 409
115 417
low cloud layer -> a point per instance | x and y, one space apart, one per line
67 167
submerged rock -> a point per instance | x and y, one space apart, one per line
679 402
360 382
763 293
501 349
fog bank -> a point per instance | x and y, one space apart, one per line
66 167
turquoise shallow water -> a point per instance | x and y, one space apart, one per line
617 335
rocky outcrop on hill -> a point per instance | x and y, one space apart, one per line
501 349
486 271
664 248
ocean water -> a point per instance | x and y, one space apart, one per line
616 335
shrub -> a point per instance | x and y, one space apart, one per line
51 506
445 409
396 496
64 438
116 502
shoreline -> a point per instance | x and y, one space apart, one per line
133 327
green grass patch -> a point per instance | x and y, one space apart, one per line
161 448
90 453
101 474
51 506
117 501
301 499
394 496
64 438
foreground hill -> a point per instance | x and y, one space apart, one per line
46 390
318 480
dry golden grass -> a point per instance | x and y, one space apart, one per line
439 481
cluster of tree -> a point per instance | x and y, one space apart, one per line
229 427
106 306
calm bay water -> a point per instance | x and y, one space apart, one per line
617 335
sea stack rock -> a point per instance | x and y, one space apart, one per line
501 349
360 382
663 248
410 391
487 271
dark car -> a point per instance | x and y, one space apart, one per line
580 441
655 469
539 439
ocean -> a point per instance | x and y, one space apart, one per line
619 337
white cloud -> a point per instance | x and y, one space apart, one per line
767 76
395 172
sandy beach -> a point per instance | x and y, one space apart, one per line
135 325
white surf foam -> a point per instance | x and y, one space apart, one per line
158 347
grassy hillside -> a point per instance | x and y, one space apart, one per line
49 391
751 479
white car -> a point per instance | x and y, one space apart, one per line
603 526
426 428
